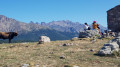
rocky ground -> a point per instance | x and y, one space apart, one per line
75 53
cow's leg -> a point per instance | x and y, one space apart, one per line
9 40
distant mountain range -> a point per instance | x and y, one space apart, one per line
56 30
68 26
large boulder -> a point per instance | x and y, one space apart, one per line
109 48
117 40
88 33
44 39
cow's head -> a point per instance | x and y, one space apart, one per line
15 33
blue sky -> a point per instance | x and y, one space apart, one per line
54 10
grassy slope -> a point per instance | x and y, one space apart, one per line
16 54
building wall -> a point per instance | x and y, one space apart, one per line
113 19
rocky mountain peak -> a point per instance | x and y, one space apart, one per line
6 19
3 18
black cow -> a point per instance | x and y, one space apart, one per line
8 35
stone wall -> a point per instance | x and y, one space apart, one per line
113 19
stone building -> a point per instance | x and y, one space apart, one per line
113 19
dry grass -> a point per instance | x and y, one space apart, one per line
16 54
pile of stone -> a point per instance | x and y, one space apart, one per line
88 33
67 44
29 65
110 47
71 66
109 34
44 39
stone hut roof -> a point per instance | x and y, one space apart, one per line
116 8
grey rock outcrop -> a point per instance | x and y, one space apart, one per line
44 39
109 48
88 33
117 40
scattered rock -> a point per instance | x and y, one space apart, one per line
104 35
92 50
30 65
51 52
26 46
67 44
44 66
62 57
37 65
70 66
67 66
49 57
44 39
64 44
25 65
4 47
24 43
11 46
75 66
75 39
